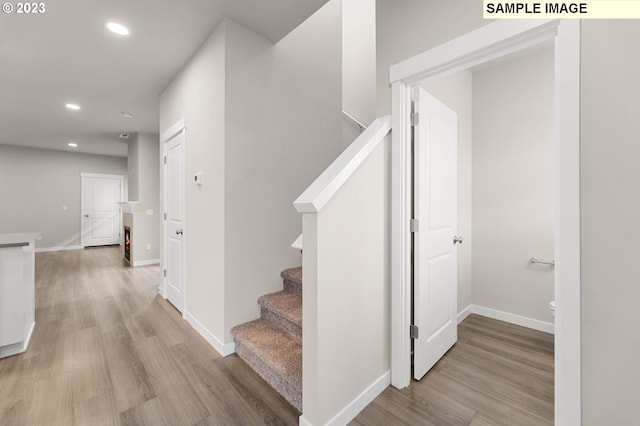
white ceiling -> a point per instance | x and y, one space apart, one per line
67 55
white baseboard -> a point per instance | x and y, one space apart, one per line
535 324
145 262
28 339
352 409
463 314
222 348
17 348
62 248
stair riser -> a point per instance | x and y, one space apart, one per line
292 329
292 286
290 392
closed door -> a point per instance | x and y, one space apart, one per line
174 224
435 240
101 220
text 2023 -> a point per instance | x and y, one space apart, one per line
30 8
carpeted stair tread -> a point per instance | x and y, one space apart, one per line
274 355
287 305
292 280
293 274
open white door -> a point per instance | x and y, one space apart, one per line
100 211
174 224
435 209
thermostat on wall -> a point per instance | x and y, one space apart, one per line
198 178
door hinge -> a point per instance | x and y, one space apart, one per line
165 159
165 216
413 331
164 272
414 225
415 118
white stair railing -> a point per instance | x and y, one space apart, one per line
345 263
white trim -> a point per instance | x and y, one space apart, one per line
479 46
568 357
327 184
222 348
146 262
298 243
19 347
534 324
353 121
25 343
462 315
303 422
400 236
61 248
351 410
100 175
491 41
176 128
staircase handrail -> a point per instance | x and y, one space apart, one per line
354 121
331 180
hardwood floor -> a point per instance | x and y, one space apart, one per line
108 350
497 374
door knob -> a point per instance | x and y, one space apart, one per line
457 240
178 231
86 215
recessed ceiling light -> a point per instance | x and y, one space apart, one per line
74 107
73 144
116 28
126 114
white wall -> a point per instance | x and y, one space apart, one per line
513 183
610 210
282 131
35 185
144 186
263 121
455 91
358 64
408 27
197 94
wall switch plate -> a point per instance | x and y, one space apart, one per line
198 178
148 246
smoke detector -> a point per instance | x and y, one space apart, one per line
124 136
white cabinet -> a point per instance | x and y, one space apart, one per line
17 292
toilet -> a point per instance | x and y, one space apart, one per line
552 306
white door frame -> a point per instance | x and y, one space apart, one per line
97 175
489 42
168 134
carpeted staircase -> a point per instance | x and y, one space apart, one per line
272 345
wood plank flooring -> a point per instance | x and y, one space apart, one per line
107 350
497 374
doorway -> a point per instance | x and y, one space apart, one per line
489 42
101 219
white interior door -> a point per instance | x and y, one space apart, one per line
100 211
174 225
435 208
